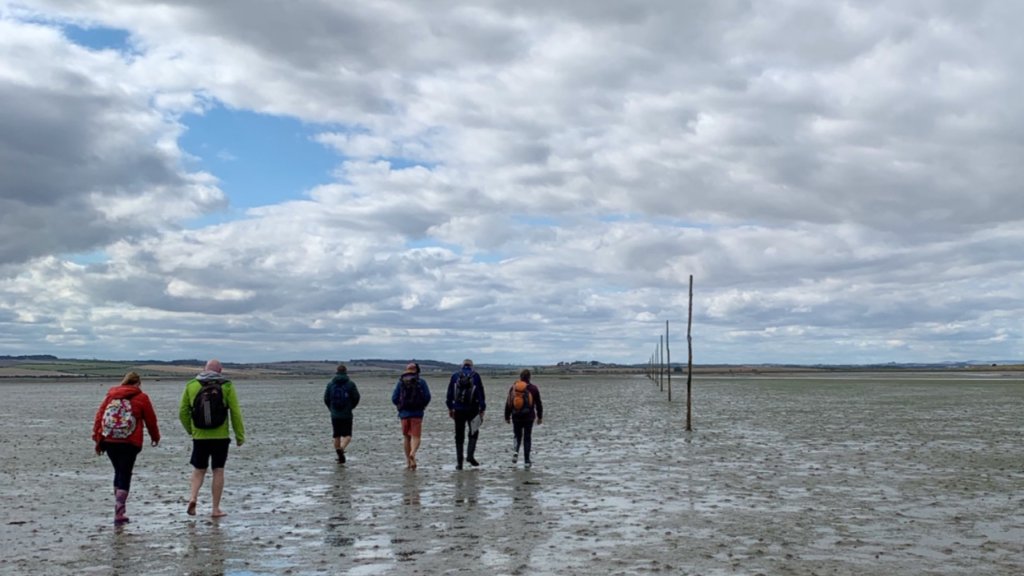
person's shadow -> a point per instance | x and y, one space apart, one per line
467 490
205 556
411 529
467 523
527 516
121 547
342 522
411 490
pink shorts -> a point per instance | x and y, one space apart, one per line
412 427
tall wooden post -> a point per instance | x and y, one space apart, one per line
689 362
661 363
668 362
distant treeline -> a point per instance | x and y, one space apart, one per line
52 358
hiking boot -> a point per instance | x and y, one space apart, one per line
529 464
341 456
472 461
515 457
458 466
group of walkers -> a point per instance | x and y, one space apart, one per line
208 407
466 403
209 410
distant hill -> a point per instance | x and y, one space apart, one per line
48 366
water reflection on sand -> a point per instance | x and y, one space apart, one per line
802 476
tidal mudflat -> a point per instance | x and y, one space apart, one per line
856 474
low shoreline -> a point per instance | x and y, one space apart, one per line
308 371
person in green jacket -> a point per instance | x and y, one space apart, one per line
208 401
341 396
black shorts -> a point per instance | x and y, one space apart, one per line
203 451
342 427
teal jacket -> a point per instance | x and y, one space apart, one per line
343 412
230 398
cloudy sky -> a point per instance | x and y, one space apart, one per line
518 182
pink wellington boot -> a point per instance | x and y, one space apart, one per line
120 505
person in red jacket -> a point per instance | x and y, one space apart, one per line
117 430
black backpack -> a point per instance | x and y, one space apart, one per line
209 409
410 394
464 390
339 396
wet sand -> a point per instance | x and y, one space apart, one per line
801 475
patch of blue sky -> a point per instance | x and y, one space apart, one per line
87 258
99 37
258 159
432 243
404 163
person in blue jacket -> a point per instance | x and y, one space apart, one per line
411 396
466 406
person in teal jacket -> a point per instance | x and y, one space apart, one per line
341 396
210 440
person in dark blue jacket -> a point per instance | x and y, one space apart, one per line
341 396
466 406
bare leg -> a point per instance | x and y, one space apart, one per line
414 445
339 449
407 448
342 442
196 483
218 490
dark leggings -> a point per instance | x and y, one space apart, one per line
461 426
122 456
523 429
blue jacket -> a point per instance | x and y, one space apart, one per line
410 413
478 405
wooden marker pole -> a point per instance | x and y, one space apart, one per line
661 363
689 362
668 362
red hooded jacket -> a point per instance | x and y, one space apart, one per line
142 409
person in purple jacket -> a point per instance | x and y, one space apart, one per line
522 408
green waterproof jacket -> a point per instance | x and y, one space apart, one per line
342 412
230 398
